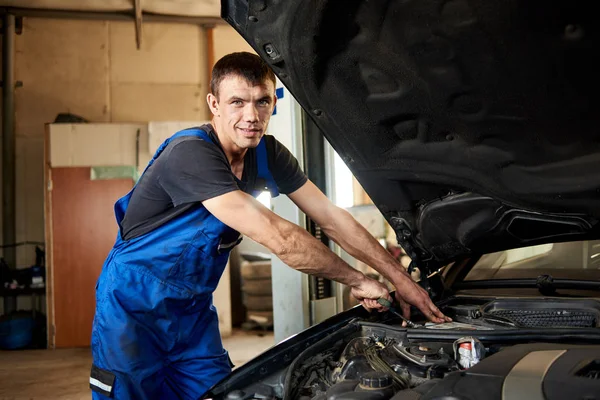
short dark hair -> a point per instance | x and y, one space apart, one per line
243 64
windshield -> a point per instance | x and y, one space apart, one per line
573 260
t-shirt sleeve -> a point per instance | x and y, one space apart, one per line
285 168
196 170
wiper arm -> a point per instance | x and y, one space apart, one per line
546 284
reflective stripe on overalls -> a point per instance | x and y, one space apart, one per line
155 332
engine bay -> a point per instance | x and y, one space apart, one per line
372 367
489 340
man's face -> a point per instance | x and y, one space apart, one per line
242 111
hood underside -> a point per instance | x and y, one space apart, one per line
472 125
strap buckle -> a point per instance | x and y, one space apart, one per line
224 247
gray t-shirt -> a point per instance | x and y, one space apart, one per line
191 170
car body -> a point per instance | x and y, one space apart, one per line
473 128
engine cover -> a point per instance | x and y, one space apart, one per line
527 372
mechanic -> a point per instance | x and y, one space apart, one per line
155 331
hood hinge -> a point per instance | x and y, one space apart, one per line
405 238
419 258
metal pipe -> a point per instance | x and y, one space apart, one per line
314 162
8 146
110 16
8 138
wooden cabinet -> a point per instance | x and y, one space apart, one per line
80 223
83 230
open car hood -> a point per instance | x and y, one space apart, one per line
471 124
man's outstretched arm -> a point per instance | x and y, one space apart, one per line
292 244
343 229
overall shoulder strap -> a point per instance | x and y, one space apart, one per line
122 204
198 132
264 173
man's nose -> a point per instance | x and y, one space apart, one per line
250 113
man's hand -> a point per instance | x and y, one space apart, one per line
343 229
409 292
368 291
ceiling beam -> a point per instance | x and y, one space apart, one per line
138 22
110 16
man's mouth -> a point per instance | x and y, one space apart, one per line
250 132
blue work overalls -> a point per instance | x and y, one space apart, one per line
156 332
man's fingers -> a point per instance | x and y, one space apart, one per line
371 304
365 305
434 314
405 312
418 297
405 309
440 315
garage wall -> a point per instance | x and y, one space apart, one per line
227 40
93 69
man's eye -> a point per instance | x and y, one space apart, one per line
264 102
236 102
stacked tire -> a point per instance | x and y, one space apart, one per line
257 293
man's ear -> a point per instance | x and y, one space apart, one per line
213 104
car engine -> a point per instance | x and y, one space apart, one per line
532 349
374 368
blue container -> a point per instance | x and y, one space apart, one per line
16 332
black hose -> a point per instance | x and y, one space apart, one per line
508 335
322 345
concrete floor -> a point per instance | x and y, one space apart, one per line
64 373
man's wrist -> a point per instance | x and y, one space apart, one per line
402 279
357 278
